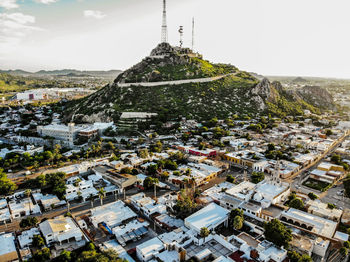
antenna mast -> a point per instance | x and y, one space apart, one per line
192 33
181 31
164 25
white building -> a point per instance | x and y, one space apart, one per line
211 217
60 132
8 250
26 238
314 224
22 208
112 214
61 230
149 249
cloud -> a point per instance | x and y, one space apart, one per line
14 27
94 14
46 1
9 4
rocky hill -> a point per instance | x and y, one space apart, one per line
236 92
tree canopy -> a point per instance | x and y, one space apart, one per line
277 233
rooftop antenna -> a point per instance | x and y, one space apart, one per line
192 33
164 25
181 31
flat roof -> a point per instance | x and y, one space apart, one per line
209 217
7 244
150 247
321 226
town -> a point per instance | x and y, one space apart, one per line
243 188
175 158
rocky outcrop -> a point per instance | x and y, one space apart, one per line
317 96
266 91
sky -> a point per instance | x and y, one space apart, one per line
269 37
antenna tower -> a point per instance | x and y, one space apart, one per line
192 33
164 25
181 31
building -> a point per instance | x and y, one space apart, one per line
8 251
59 132
112 214
61 230
149 249
22 208
315 224
212 216
321 209
25 239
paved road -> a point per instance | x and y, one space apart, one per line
176 82
319 159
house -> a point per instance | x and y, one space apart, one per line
149 249
22 208
112 214
212 216
25 239
8 251
61 230
5 215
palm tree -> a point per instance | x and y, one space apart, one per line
204 232
27 192
155 183
102 194
92 200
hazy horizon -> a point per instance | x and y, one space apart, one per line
268 37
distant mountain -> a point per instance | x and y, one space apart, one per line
64 72
175 82
17 72
299 80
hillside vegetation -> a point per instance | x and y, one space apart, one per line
236 93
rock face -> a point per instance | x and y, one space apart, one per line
317 96
238 93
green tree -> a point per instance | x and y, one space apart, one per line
28 222
329 132
204 232
336 159
38 241
101 194
347 244
42 255
235 212
312 196
152 170
343 251
296 257
331 206
297 203
277 233
238 222
257 177
230 178
65 256
6 185
149 182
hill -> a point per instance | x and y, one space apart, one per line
174 82
63 72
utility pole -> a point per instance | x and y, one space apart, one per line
155 191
